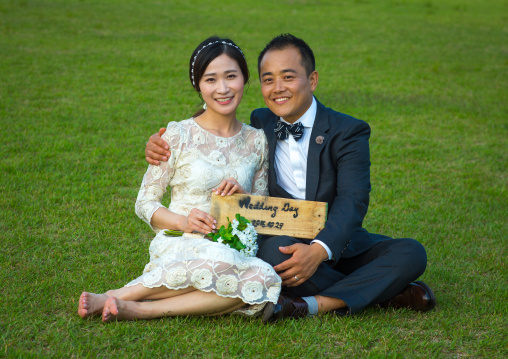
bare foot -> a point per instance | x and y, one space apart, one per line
110 311
91 304
118 309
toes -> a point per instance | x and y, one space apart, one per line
105 314
83 305
83 300
110 310
82 313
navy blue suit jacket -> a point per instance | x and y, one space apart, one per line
338 172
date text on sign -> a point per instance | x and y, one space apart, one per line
272 215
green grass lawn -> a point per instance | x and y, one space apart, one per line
83 84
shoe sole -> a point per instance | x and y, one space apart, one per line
432 303
268 312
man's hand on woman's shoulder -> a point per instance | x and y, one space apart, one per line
157 149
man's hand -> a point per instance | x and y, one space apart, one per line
157 149
303 264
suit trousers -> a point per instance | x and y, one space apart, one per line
371 277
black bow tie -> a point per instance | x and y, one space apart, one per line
283 130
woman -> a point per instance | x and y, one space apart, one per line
212 151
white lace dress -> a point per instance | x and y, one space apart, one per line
199 162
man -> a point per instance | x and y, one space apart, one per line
319 154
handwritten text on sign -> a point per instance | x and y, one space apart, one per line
272 215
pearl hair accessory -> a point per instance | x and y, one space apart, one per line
201 49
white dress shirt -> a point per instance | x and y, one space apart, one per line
291 161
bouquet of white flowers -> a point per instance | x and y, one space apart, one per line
240 234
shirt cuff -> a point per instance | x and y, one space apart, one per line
330 254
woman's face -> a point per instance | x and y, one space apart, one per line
222 85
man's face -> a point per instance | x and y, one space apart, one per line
286 88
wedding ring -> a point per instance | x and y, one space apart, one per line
297 279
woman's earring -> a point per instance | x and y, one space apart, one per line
204 106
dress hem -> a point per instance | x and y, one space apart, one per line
133 283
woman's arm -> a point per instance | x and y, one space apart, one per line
196 221
150 209
155 182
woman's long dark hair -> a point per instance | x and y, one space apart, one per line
209 50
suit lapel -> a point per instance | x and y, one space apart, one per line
317 143
272 143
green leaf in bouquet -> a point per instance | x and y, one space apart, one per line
173 233
226 233
239 245
212 236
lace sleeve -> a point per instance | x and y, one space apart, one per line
157 178
260 180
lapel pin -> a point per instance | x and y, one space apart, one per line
319 140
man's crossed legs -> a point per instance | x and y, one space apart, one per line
381 275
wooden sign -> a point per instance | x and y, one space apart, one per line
272 215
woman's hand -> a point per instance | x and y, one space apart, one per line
199 221
228 187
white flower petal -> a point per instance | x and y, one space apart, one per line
201 278
153 276
252 291
227 284
176 276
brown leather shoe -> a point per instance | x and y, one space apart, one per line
288 306
416 296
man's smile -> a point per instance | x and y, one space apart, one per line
281 100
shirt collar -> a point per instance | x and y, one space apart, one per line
309 116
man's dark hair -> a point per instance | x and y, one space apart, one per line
284 41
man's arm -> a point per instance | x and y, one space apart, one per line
157 149
349 207
346 213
